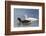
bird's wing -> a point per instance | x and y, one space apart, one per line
32 19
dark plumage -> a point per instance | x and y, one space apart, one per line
23 21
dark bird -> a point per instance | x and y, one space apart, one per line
23 21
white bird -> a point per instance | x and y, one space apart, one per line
30 18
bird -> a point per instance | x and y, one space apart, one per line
30 18
23 21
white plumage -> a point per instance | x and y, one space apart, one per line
30 18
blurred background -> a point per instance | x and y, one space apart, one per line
21 12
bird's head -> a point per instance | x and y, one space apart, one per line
19 19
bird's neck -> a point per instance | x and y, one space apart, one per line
26 17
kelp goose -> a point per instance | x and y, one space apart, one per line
30 18
23 21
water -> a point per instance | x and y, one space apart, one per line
20 12
31 24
